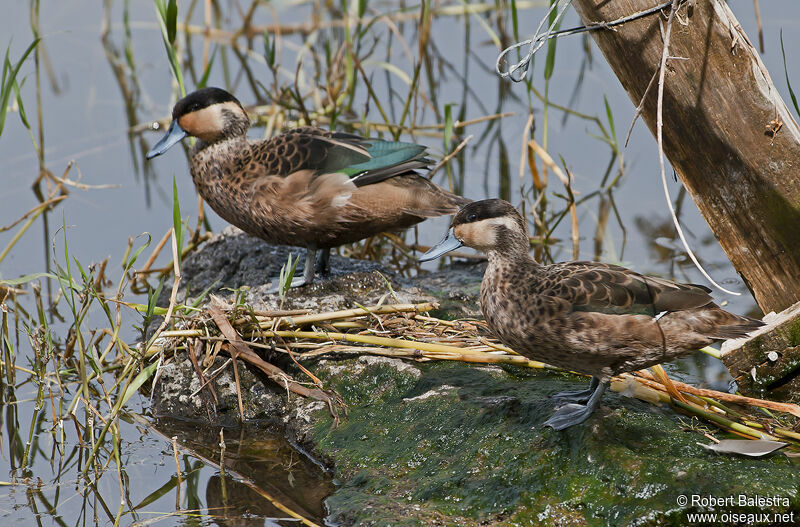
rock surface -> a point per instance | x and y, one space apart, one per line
449 443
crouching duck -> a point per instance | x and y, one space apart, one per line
307 187
589 317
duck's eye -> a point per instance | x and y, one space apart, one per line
472 217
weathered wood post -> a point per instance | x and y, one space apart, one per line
727 133
720 110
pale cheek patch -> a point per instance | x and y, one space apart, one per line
479 234
208 123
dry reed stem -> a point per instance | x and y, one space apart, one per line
547 160
446 340
347 313
728 397
663 378
449 156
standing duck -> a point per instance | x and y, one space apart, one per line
307 187
589 317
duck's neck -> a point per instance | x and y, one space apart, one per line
223 143
511 248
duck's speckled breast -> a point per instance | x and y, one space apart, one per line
520 317
222 175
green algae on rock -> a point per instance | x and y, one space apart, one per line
453 444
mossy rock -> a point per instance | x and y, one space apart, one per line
453 444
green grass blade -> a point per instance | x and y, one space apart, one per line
610 119
269 49
20 105
286 275
172 21
27 278
164 15
448 126
785 71
9 79
177 224
550 61
138 251
207 71
161 7
134 386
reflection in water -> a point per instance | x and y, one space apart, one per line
261 480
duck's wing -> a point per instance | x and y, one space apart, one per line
308 149
363 161
610 289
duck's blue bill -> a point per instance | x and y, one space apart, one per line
173 135
450 243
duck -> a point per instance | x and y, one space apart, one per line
307 187
590 317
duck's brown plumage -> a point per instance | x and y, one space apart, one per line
280 190
598 318
306 187
589 317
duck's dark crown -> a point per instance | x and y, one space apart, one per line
202 98
486 209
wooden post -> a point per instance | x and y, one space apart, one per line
727 132
767 365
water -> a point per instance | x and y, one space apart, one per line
85 120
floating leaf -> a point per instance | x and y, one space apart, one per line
745 447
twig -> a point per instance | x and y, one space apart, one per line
449 156
640 107
239 349
174 440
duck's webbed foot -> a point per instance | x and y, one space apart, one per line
573 414
578 396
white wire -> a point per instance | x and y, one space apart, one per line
518 71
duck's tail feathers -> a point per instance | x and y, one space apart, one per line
435 201
742 326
